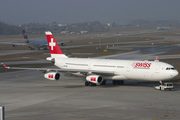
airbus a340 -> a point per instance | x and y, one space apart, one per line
98 71
37 43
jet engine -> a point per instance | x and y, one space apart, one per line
94 78
63 44
14 45
52 75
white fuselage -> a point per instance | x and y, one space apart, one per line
37 43
122 69
163 28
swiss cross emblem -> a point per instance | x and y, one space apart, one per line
93 79
52 44
50 76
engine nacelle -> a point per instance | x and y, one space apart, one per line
94 78
52 75
14 45
63 44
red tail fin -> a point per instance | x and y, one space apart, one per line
24 34
157 59
53 46
5 65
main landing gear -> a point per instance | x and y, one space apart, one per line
115 82
118 82
103 82
31 48
89 84
161 82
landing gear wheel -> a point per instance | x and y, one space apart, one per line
86 83
115 82
93 84
103 82
32 48
121 82
118 82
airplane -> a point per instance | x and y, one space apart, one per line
98 71
38 43
164 28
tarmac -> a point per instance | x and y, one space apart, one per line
28 95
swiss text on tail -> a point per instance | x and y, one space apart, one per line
54 47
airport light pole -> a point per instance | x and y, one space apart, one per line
117 39
99 40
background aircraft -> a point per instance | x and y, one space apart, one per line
164 28
36 43
97 71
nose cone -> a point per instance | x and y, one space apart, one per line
170 74
175 73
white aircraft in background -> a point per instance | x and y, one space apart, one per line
38 43
164 28
98 71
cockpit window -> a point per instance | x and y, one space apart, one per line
169 85
170 68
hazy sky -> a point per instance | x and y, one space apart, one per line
72 11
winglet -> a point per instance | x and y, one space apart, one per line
5 66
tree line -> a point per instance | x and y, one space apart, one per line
33 28
6 29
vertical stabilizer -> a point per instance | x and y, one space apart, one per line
24 34
54 47
25 37
156 59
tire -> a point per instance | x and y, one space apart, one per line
122 82
86 83
103 82
93 84
118 82
114 82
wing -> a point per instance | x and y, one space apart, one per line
64 42
14 44
98 72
